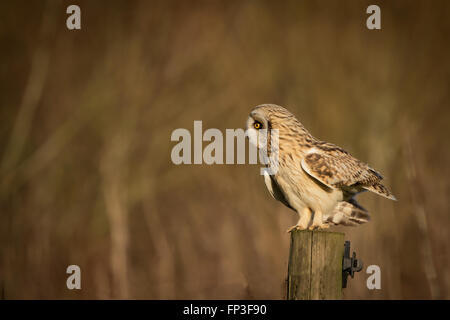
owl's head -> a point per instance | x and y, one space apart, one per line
263 119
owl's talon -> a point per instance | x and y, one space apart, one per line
296 227
321 227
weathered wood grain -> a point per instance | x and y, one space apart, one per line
315 265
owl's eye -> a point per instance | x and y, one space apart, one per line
257 125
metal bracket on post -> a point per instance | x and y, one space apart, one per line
350 265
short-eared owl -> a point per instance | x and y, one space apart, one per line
318 180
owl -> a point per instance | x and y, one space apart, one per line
318 180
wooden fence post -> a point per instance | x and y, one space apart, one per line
315 265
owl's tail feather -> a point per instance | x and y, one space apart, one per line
349 213
381 190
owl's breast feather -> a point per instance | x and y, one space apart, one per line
302 190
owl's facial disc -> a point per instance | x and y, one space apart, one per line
251 132
255 127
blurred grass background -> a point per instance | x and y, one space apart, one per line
86 118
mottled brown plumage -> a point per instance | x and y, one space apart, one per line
317 179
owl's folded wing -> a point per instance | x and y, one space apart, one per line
338 169
275 190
